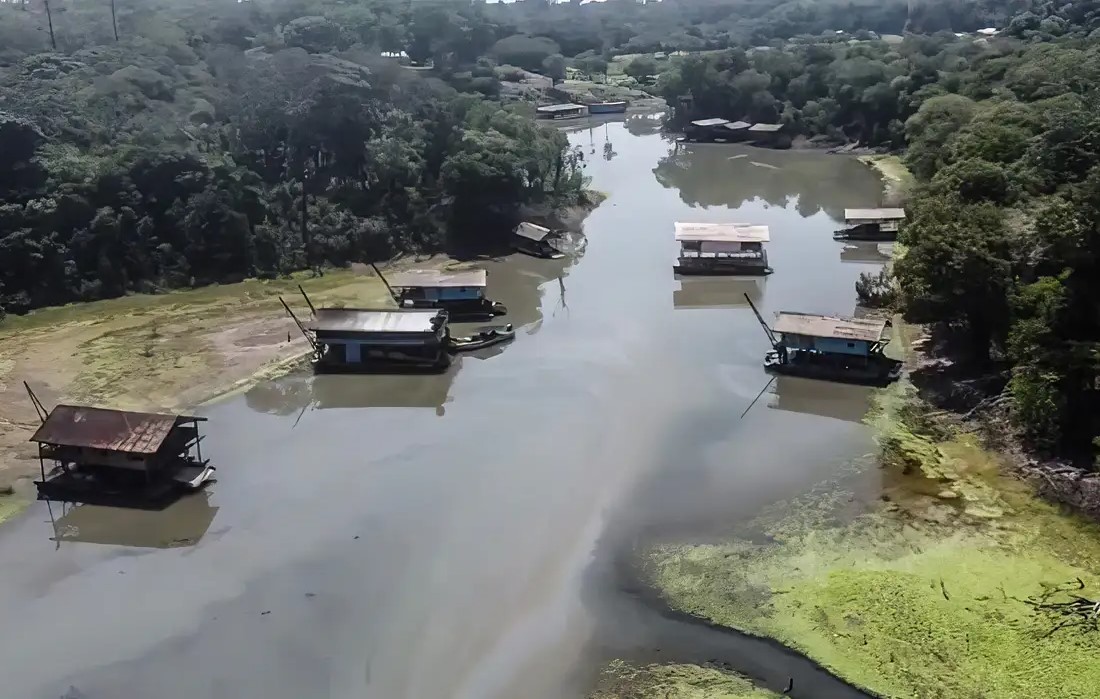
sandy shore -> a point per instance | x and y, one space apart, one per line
897 181
164 352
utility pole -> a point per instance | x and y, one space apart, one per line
49 18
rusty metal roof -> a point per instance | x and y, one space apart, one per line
110 430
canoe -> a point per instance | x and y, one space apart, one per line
484 337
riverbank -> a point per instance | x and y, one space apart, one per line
897 181
926 590
622 680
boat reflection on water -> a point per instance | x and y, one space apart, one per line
716 292
826 399
181 524
865 253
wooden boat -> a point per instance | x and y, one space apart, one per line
871 224
830 348
484 337
608 107
560 111
722 249
460 293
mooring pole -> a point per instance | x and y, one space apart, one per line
38 407
308 302
297 322
767 330
383 278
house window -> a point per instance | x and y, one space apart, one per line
851 345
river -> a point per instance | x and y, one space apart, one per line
457 536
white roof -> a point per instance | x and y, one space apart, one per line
811 325
722 232
710 122
433 278
874 214
359 320
565 107
531 231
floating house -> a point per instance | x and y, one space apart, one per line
460 293
536 240
722 248
769 135
813 346
871 224
354 339
117 457
717 130
607 107
560 111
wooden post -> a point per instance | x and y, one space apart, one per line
308 302
114 20
767 330
49 18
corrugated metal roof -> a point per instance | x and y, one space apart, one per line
112 430
811 325
738 125
434 278
531 231
722 232
370 321
765 128
874 215
551 108
710 122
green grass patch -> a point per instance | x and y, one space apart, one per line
622 680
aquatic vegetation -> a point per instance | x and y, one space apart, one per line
622 680
922 594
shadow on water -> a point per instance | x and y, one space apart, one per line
863 252
698 292
181 524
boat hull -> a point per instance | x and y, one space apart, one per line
723 271
881 373
91 487
464 311
485 337
607 108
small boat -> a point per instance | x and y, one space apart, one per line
539 241
608 107
484 337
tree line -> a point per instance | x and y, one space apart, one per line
190 151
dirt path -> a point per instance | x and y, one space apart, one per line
165 352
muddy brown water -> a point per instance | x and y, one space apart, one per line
463 535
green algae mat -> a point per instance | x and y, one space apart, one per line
622 680
928 593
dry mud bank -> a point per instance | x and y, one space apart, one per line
925 592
